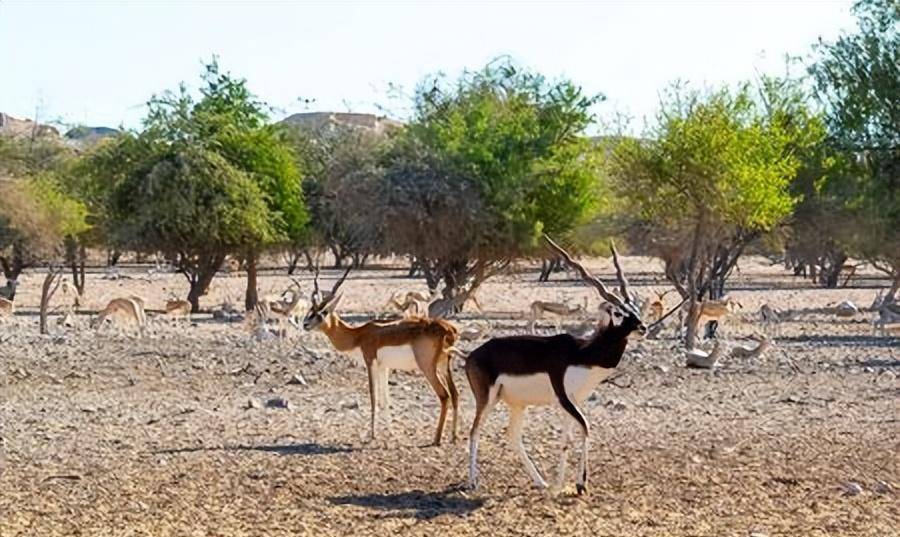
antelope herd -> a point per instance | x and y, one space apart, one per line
521 370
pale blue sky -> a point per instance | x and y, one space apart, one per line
96 63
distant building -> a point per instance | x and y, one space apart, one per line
316 121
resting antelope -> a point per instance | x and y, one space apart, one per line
130 309
555 370
557 309
406 344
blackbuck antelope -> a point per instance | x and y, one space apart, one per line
129 309
405 344
555 370
559 310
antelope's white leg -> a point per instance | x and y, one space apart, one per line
564 453
516 415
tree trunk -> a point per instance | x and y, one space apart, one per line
200 277
293 258
12 268
47 290
251 296
830 272
548 267
112 257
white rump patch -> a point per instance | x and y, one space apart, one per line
399 357
535 389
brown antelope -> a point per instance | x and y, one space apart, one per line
553 370
559 310
7 308
652 310
742 351
711 310
178 309
700 359
281 308
405 344
414 303
129 309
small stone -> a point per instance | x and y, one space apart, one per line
297 379
852 489
350 404
882 487
252 403
662 369
278 402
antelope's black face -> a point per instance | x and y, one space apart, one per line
626 318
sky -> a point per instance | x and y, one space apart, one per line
96 63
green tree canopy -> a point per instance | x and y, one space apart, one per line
204 178
709 177
858 81
488 163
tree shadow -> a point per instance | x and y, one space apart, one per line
418 504
308 449
843 340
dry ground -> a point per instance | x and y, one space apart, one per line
171 435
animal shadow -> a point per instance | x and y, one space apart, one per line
307 448
418 504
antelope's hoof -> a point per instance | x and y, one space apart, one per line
580 489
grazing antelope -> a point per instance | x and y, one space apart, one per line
406 344
554 370
558 309
130 309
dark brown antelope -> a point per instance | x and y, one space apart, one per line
556 370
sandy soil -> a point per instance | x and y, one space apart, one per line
103 434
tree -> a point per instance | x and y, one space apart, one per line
857 80
35 211
486 166
343 170
205 178
710 177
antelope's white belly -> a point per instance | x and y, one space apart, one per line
536 389
400 357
